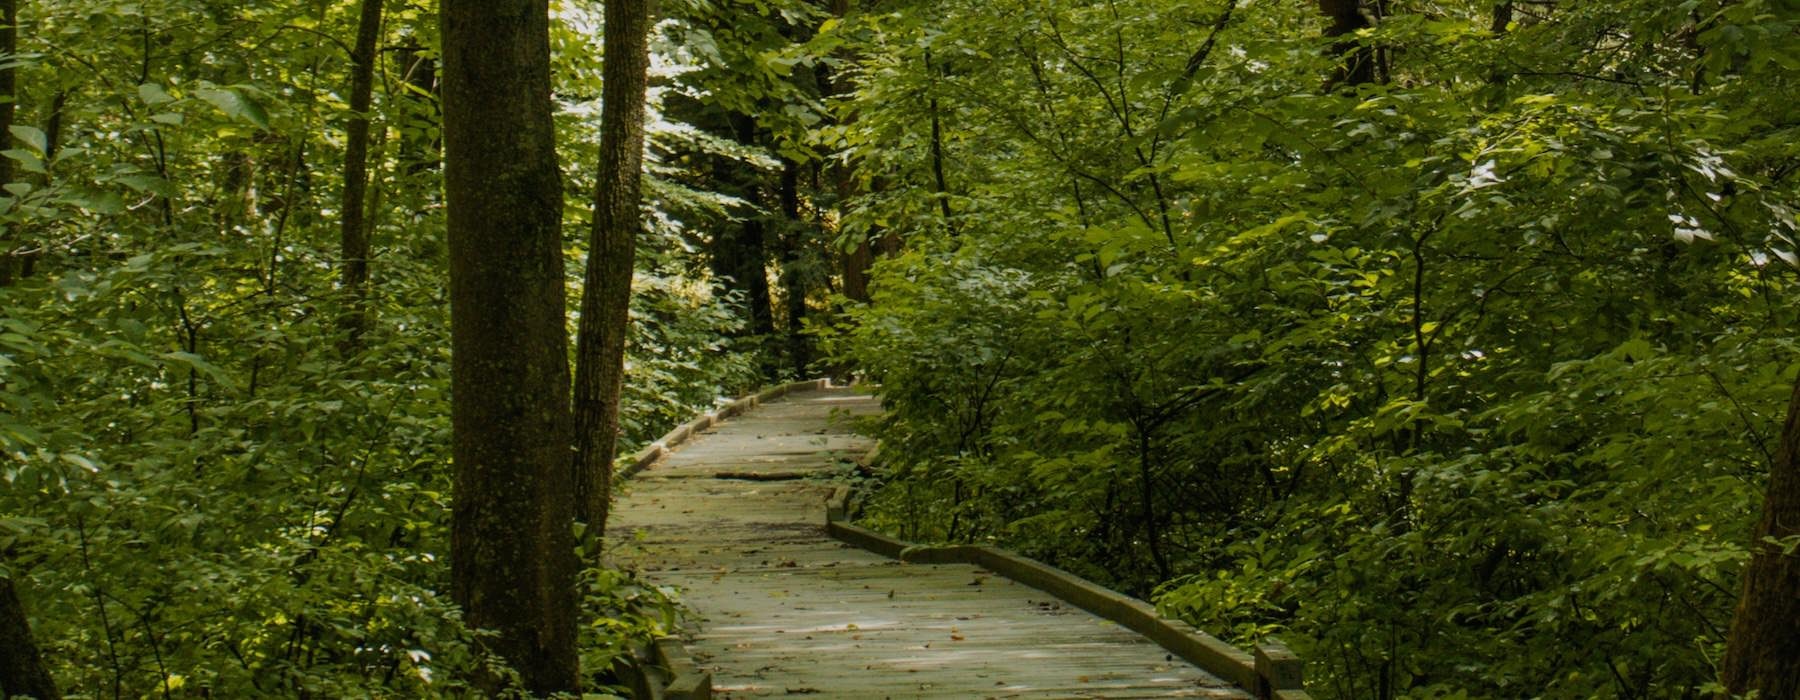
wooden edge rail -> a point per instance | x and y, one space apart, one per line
1273 672
662 670
676 676
687 681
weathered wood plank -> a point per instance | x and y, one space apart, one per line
786 610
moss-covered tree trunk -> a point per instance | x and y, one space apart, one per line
618 219
1763 651
513 559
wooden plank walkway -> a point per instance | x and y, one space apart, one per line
785 610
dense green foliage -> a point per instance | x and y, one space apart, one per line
1463 382
1463 379
209 487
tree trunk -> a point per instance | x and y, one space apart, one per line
355 230
749 273
939 181
856 271
793 279
606 295
1763 651
22 671
739 254
10 260
1357 61
513 561
53 130
854 262
418 120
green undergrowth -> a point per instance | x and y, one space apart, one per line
265 515
1464 382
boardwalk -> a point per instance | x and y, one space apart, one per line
784 610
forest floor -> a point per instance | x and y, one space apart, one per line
735 520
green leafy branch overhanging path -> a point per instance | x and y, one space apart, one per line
735 519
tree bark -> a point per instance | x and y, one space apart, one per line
513 562
739 254
417 108
354 229
939 180
1357 61
749 273
856 271
9 96
22 672
606 296
1763 651
854 262
793 281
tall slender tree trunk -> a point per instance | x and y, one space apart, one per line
753 243
939 180
10 259
513 563
1763 651
606 296
739 255
753 276
354 228
793 278
854 260
417 108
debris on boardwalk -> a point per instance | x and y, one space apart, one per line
734 521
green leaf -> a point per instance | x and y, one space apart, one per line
32 136
199 364
81 462
235 104
27 160
153 94
104 203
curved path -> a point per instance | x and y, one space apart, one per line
735 520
